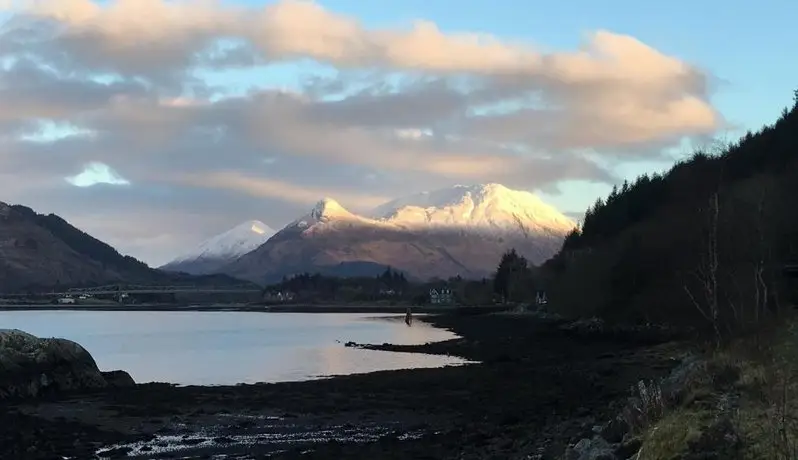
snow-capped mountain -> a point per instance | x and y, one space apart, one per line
461 230
490 207
222 249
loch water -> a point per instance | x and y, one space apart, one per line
225 348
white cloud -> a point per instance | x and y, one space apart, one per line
272 188
412 106
97 173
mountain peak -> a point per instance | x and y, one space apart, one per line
494 188
224 247
328 208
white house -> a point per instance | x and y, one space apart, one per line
540 298
443 296
280 296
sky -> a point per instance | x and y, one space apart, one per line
155 124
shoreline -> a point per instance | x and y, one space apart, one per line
282 308
537 387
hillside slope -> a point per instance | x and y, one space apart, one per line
31 256
44 251
702 245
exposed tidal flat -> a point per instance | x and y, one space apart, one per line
534 389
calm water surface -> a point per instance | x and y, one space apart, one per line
222 348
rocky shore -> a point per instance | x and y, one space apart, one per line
537 391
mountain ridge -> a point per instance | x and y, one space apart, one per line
463 234
39 251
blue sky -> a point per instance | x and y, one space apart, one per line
195 157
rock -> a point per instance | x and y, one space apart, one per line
691 373
629 448
614 430
118 379
585 326
32 366
591 449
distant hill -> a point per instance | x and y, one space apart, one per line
44 251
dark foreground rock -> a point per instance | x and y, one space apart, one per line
31 367
536 391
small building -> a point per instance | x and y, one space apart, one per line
279 296
66 300
540 298
443 296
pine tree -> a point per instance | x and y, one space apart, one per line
512 273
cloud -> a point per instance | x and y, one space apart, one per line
144 88
97 173
270 188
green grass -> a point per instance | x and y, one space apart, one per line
768 416
764 377
671 436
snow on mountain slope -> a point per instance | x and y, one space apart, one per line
222 248
476 207
457 231
485 206
326 210
329 215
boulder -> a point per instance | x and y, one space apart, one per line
118 379
591 449
31 366
613 431
691 373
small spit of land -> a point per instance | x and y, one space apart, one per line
537 389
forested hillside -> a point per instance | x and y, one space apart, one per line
40 252
83 243
702 244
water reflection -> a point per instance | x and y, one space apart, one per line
210 348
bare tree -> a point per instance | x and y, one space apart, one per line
761 293
748 265
706 274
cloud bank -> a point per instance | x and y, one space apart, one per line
207 113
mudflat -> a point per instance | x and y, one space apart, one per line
536 389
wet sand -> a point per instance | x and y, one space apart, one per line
535 389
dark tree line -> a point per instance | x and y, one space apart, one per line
390 283
623 207
770 151
700 245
